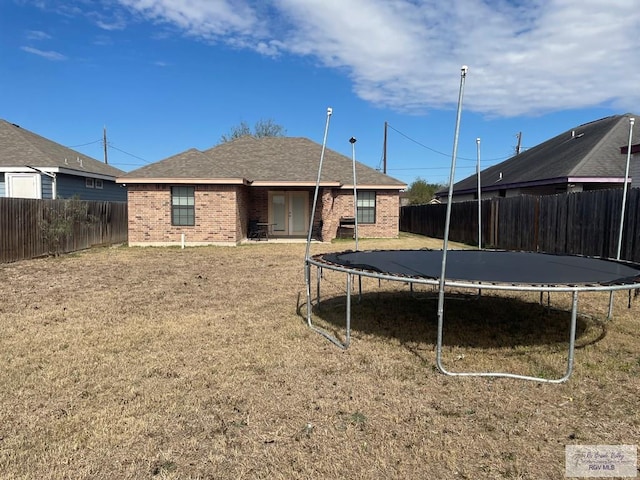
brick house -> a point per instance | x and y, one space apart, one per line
211 196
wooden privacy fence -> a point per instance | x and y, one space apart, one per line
31 228
585 223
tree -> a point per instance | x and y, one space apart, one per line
421 192
262 128
60 218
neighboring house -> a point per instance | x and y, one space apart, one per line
587 157
634 163
32 166
211 196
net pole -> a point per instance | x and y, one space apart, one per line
307 269
352 140
463 74
622 210
479 195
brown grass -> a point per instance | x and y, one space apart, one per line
167 363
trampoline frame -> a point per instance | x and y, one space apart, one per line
320 264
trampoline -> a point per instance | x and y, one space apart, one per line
482 270
500 268
474 269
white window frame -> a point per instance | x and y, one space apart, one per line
8 182
99 183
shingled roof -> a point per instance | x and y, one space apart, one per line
20 148
262 161
589 152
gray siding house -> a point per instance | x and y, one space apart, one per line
32 166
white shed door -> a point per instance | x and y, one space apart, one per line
23 185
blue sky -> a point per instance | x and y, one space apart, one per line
164 76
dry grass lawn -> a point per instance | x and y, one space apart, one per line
164 363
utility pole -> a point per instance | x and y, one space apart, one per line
104 141
384 150
519 135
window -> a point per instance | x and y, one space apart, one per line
88 182
366 207
183 210
99 183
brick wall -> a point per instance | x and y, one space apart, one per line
339 203
259 204
242 206
222 213
217 219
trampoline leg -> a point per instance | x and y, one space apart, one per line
322 332
307 279
610 311
359 288
572 338
348 336
564 378
319 275
548 299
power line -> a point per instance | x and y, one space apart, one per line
84 144
439 152
429 168
110 145
127 153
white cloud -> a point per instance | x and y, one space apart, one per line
111 25
201 18
37 35
524 58
48 54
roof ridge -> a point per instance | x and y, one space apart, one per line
274 161
33 139
599 120
600 142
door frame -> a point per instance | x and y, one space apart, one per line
288 206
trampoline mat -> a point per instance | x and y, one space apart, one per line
491 266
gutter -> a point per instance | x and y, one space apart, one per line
51 175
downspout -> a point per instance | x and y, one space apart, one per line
50 175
